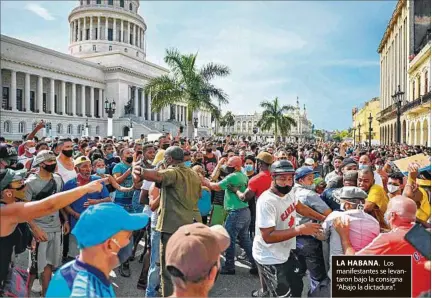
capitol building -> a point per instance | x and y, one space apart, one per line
106 62
244 125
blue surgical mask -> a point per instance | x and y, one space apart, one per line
109 156
249 168
100 171
362 166
188 164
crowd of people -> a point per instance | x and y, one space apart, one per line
288 206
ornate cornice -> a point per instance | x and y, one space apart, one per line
393 20
38 66
128 71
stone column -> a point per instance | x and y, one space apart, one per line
70 32
27 92
92 102
79 30
83 109
13 94
40 94
73 101
134 34
121 31
106 28
63 98
84 28
136 105
52 96
128 32
143 103
91 28
115 29
99 29
101 103
149 107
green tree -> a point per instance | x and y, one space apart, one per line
274 117
188 84
319 133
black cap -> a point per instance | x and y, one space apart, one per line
282 167
8 152
348 161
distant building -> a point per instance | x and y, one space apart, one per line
244 125
360 116
405 57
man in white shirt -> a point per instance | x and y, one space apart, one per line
337 162
275 236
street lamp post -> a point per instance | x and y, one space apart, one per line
87 128
398 99
195 127
359 133
370 129
130 129
110 108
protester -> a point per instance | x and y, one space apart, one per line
100 251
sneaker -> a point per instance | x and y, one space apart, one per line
242 256
225 271
125 270
36 287
259 293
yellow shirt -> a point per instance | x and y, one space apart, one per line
378 196
159 156
424 211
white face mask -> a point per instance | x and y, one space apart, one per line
392 188
32 150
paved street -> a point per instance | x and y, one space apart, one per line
239 285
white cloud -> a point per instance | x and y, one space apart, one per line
40 11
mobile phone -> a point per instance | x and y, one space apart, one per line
420 238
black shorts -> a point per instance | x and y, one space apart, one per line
283 280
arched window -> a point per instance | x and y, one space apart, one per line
122 3
97 130
7 126
110 2
130 6
69 129
59 128
21 127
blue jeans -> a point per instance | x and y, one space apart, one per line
237 225
130 209
136 202
153 278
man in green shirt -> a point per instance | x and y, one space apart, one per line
180 191
239 217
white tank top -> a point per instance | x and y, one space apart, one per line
65 173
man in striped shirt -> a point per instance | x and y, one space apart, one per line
101 250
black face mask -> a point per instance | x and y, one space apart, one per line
129 159
230 170
209 150
50 168
199 160
67 153
283 189
165 146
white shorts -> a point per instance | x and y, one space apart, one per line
49 252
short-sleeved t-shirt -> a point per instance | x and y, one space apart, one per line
123 197
180 192
35 185
394 243
78 279
378 196
260 183
159 156
231 200
278 212
309 198
78 205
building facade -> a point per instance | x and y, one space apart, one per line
106 61
244 125
361 122
405 65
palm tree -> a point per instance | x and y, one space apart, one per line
274 117
188 84
227 120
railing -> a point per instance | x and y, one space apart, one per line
387 110
419 101
111 7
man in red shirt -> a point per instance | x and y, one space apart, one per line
261 182
400 214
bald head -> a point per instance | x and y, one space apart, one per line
404 207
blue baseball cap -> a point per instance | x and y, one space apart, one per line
102 221
303 172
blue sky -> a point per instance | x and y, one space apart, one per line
322 51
